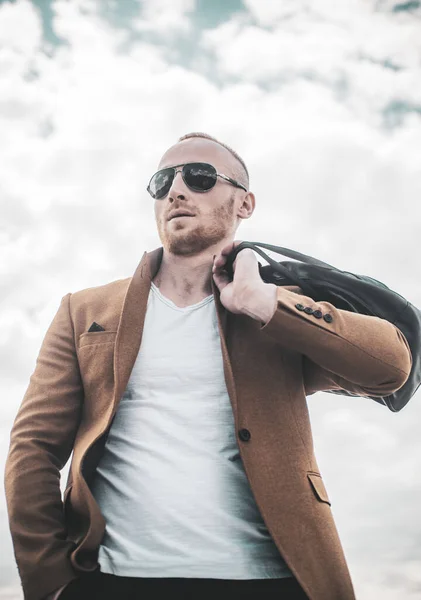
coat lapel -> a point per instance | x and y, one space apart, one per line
130 328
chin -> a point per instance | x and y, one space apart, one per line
187 245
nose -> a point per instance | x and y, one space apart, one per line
178 187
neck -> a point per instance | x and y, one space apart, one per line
186 278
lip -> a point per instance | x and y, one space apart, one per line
180 213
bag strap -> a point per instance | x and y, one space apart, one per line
276 266
285 251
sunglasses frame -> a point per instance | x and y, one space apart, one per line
184 165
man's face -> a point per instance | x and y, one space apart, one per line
214 211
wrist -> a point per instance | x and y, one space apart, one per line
261 303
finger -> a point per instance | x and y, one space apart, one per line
219 262
220 271
244 256
221 280
228 249
221 259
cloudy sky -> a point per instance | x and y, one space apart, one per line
321 98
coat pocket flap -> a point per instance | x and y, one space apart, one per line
91 338
318 487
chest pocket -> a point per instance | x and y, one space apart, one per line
96 358
95 338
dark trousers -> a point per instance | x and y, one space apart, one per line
102 586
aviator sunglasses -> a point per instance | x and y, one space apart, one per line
199 177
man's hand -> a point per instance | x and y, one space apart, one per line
247 293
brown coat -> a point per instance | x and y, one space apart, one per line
80 376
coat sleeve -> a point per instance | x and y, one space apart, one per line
363 354
41 442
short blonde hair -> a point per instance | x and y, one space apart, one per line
241 174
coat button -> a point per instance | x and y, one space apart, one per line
318 314
308 310
299 306
328 318
244 435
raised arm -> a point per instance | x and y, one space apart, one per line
342 349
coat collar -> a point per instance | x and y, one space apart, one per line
132 318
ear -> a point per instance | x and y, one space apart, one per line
246 208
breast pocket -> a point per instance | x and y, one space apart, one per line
93 338
96 364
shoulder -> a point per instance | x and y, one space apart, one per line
102 304
114 290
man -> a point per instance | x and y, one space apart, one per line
183 397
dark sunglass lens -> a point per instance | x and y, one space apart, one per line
161 183
200 176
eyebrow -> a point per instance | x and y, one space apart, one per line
189 162
174 166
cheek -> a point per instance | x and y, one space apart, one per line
158 212
221 208
216 201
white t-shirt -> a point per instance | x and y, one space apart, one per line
171 484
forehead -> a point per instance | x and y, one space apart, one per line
198 150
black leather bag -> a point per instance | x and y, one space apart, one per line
347 291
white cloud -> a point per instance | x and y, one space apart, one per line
366 58
83 128
165 17
21 17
